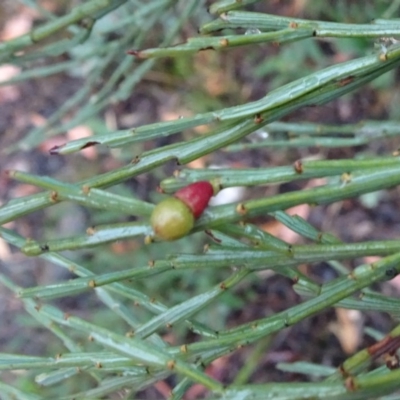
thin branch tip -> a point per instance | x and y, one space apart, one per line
55 150
136 53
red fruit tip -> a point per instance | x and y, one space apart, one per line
196 196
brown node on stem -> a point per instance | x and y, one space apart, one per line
130 334
171 364
86 189
184 348
241 209
85 23
350 384
151 263
178 161
224 42
91 230
351 275
148 239
293 25
258 119
135 160
92 283
44 247
298 166
54 196
346 177
136 53
383 56
222 286
66 316
216 185
342 371
346 81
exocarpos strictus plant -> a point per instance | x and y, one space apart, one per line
147 312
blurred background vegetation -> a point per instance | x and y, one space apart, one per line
80 82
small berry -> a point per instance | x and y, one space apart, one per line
171 219
174 217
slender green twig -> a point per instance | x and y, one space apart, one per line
91 9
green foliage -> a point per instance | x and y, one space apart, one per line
134 300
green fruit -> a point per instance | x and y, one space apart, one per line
171 219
